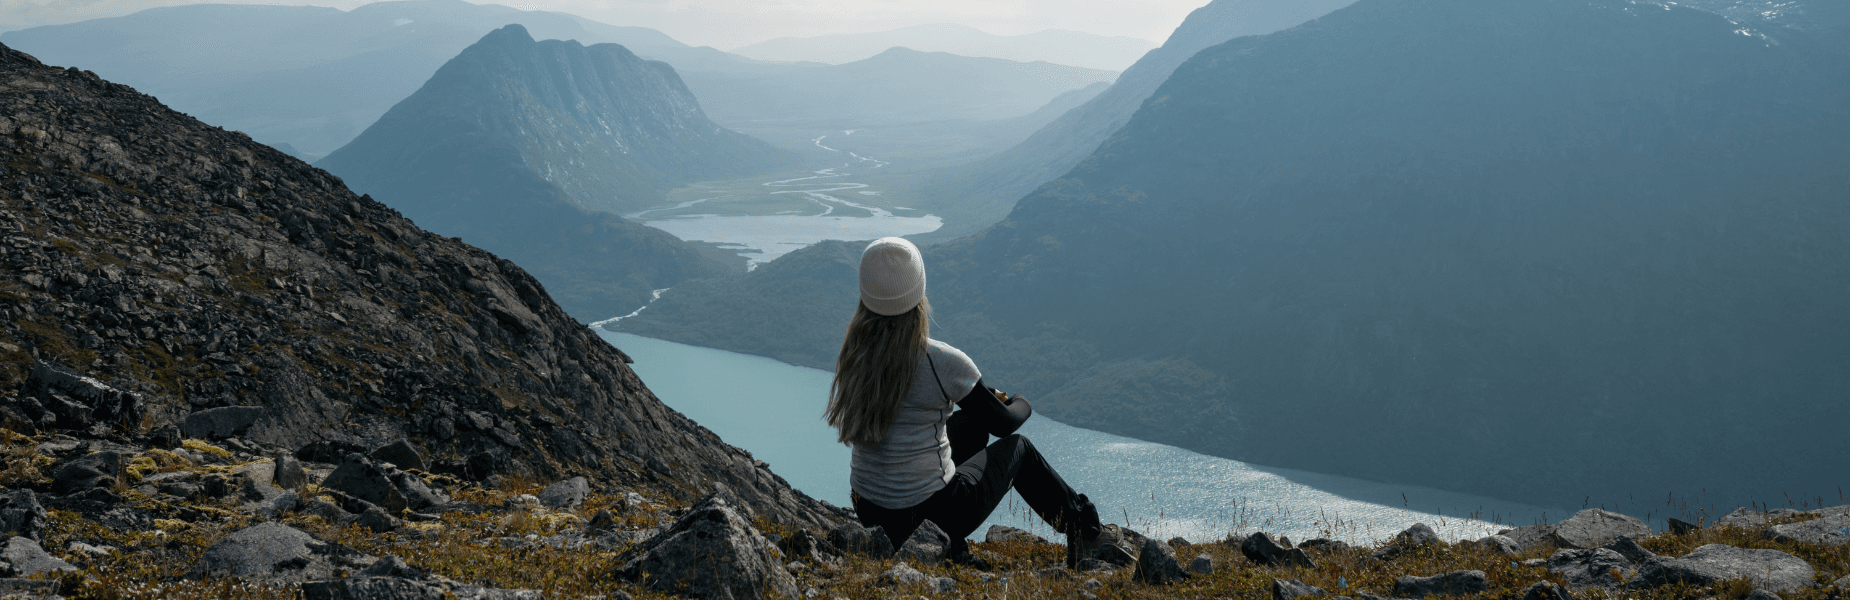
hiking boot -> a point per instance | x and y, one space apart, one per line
1083 531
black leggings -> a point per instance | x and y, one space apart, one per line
981 481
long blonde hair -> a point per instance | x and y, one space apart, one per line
879 357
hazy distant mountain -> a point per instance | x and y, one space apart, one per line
1058 46
899 85
309 76
1537 250
514 145
982 193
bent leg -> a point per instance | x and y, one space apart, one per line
983 480
966 437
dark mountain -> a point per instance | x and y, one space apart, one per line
525 147
1539 250
310 76
982 192
198 269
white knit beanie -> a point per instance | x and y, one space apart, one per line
892 276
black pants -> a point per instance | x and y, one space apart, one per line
984 476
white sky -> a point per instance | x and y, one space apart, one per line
728 24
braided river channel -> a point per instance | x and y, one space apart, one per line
774 411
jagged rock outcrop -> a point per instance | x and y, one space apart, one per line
195 269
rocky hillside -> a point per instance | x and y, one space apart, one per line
1489 262
523 147
163 273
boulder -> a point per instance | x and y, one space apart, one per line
1748 518
220 423
1592 528
1286 589
1680 527
361 478
808 546
1455 583
1590 569
1117 546
1830 531
1842 583
417 494
288 473
1499 544
28 588
1323 545
392 566
711 551
100 470
1263 550
1418 536
25 558
401 455
370 588
1769 569
603 521
901 574
1630 549
377 520
1547 590
1531 537
1202 565
21 514
80 402
566 494
274 552
928 544
867 541
1004 533
1763 595
1156 564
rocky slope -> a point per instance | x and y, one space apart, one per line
522 147
1492 261
185 271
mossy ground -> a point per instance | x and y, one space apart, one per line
150 564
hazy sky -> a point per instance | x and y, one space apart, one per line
728 24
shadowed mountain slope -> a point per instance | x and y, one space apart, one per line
1519 249
199 269
525 147
1058 46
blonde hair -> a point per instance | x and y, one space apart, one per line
879 357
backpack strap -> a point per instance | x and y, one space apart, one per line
934 375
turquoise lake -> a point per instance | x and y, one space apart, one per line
774 411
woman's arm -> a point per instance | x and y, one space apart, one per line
993 415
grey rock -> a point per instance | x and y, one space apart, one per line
1156 564
1202 565
220 423
867 541
418 495
1455 583
1842 583
808 546
901 574
1630 549
392 566
81 401
359 477
1420 535
711 551
1323 545
566 494
401 455
1830 531
257 552
1590 569
1287 589
1770 569
28 588
1118 546
1748 518
470 592
1499 544
1263 550
1531 537
603 521
1592 528
1004 533
946 585
1178 542
377 520
1681 527
1547 590
21 514
1763 595
27 558
283 503
328 511
370 588
288 473
928 544
99 470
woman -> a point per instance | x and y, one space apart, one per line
915 459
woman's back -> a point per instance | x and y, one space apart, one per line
914 460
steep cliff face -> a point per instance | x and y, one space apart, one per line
198 269
521 147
